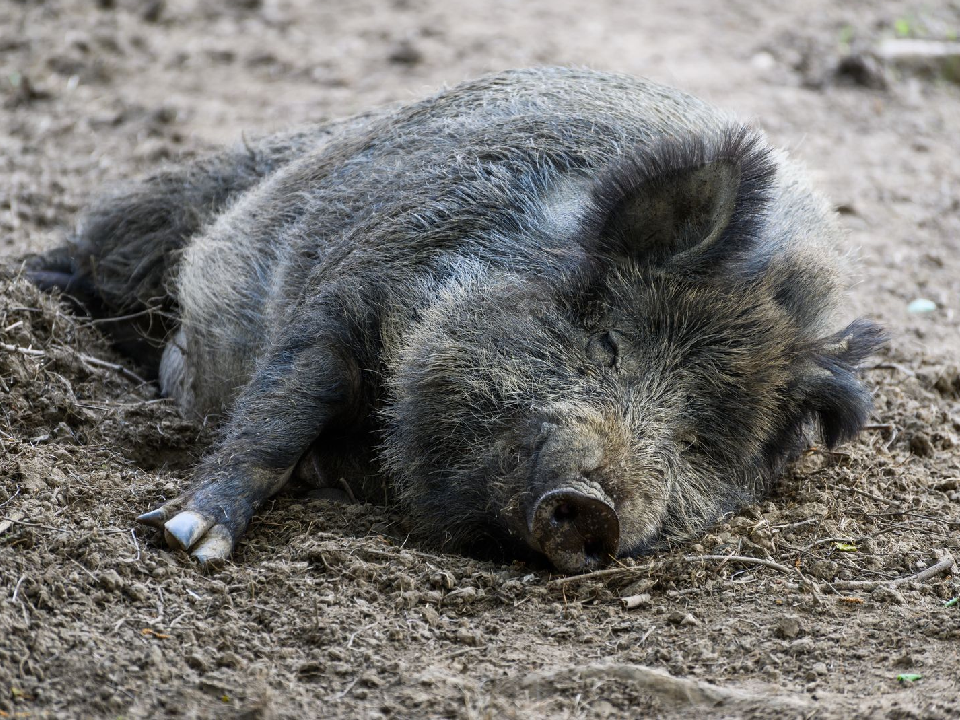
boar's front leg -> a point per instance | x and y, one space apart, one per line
305 383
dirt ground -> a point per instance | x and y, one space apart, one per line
326 610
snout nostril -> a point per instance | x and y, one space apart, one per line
595 550
565 512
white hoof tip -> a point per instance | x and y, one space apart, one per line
215 547
185 528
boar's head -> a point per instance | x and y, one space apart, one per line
658 380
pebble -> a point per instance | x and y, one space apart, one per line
921 306
788 628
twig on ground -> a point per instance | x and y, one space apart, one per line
10 499
122 405
85 569
97 362
364 628
742 559
893 439
647 634
748 560
343 693
887 428
16 590
600 573
942 565
800 523
824 541
892 366
857 491
159 617
83 357
35 525
33 352
909 525
118 318
133 535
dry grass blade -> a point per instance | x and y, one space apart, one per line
941 566
745 559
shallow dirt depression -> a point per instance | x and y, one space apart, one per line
831 599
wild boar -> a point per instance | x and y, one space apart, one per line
552 313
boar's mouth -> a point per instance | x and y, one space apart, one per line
576 526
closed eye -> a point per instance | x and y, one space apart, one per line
604 348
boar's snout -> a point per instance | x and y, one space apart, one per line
576 527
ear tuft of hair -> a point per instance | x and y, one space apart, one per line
836 398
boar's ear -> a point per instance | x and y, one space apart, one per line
833 394
695 199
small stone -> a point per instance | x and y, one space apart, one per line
921 306
921 445
371 679
431 597
788 628
905 661
229 659
136 591
887 594
152 10
763 61
431 616
410 598
636 601
443 579
947 381
405 53
823 569
197 661
862 69
310 669
214 687
468 637
458 598
110 580
682 619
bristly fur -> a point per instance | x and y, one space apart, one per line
539 279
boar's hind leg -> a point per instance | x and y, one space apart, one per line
299 389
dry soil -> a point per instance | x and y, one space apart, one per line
327 611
